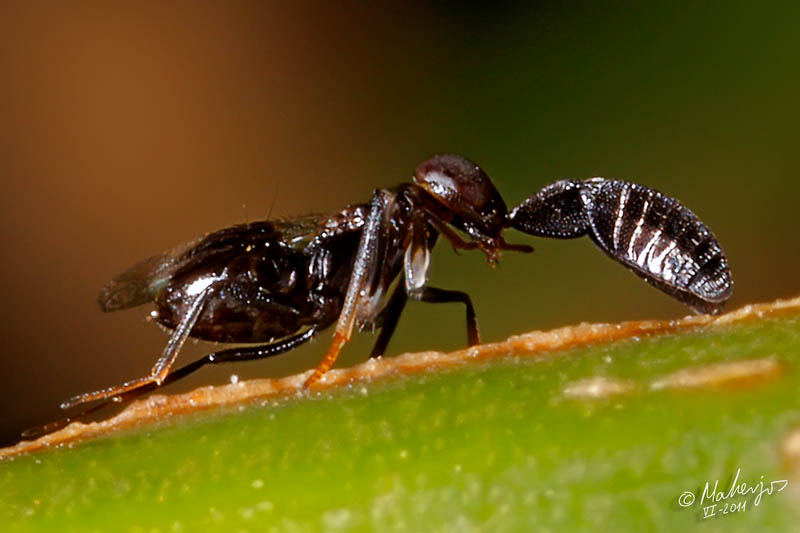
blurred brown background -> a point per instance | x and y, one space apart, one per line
127 128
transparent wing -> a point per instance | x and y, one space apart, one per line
140 283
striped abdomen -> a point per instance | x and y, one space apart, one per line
651 233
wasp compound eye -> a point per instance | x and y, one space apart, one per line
651 233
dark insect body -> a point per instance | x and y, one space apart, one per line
282 281
648 232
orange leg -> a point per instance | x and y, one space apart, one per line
367 250
160 370
110 392
339 340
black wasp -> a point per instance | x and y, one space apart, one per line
280 282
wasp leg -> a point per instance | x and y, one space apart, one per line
389 317
439 296
417 258
160 370
413 284
248 353
363 267
393 309
456 242
415 274
415 271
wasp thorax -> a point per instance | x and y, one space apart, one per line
465 189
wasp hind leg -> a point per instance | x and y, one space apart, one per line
161 368
248 353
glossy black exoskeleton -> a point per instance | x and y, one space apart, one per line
648 232
280 282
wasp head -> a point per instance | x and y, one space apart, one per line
470 199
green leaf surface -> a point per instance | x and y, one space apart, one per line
511 444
